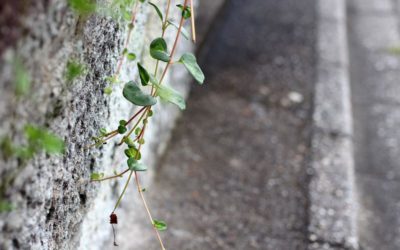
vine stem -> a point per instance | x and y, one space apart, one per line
114 176
193 21
173 47
148 210
128 37
123 192
163 28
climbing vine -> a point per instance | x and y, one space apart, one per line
132 130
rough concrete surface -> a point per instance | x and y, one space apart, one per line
235 174
55 205
332 200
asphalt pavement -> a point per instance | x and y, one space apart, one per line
235 173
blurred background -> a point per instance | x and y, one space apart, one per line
291 143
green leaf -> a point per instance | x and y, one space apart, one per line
189 61
134 165
158 50
184 32
132 153
158 11
170 95
5 206
74 70
131 56
144 75
160 225
103 132
185 11
52 144
137 131
108 90
22 78
135 95
96 176
122 122
7 148
82 7
121 129
39 137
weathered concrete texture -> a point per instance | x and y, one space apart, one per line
375 75
332 206
235 175
56 206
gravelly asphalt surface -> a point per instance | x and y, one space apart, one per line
234 176
375 74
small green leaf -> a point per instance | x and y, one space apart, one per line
137 131
82 7
134 165
132 153
96 176
5 206
121 129
122 122
160 225
144 75
189 61
108 90
21 78
74 70
170 95
131 56
141 141
129 142
39 137
150 113
184 32
103 132
111 79
52 144
125 51
135 95
185 11
7 148
158 50
157 10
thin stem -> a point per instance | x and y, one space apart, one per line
173 47
148 210
193 21
135 115
121 58
166 18
162 35
114 176
123 192
133 128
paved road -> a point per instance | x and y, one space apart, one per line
375 72
234 176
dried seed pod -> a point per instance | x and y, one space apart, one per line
113 218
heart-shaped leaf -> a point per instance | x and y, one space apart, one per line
158 49
134 165
189 61
136 96
168 94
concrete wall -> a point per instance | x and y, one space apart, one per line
56 207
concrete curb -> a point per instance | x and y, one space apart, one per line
332 210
